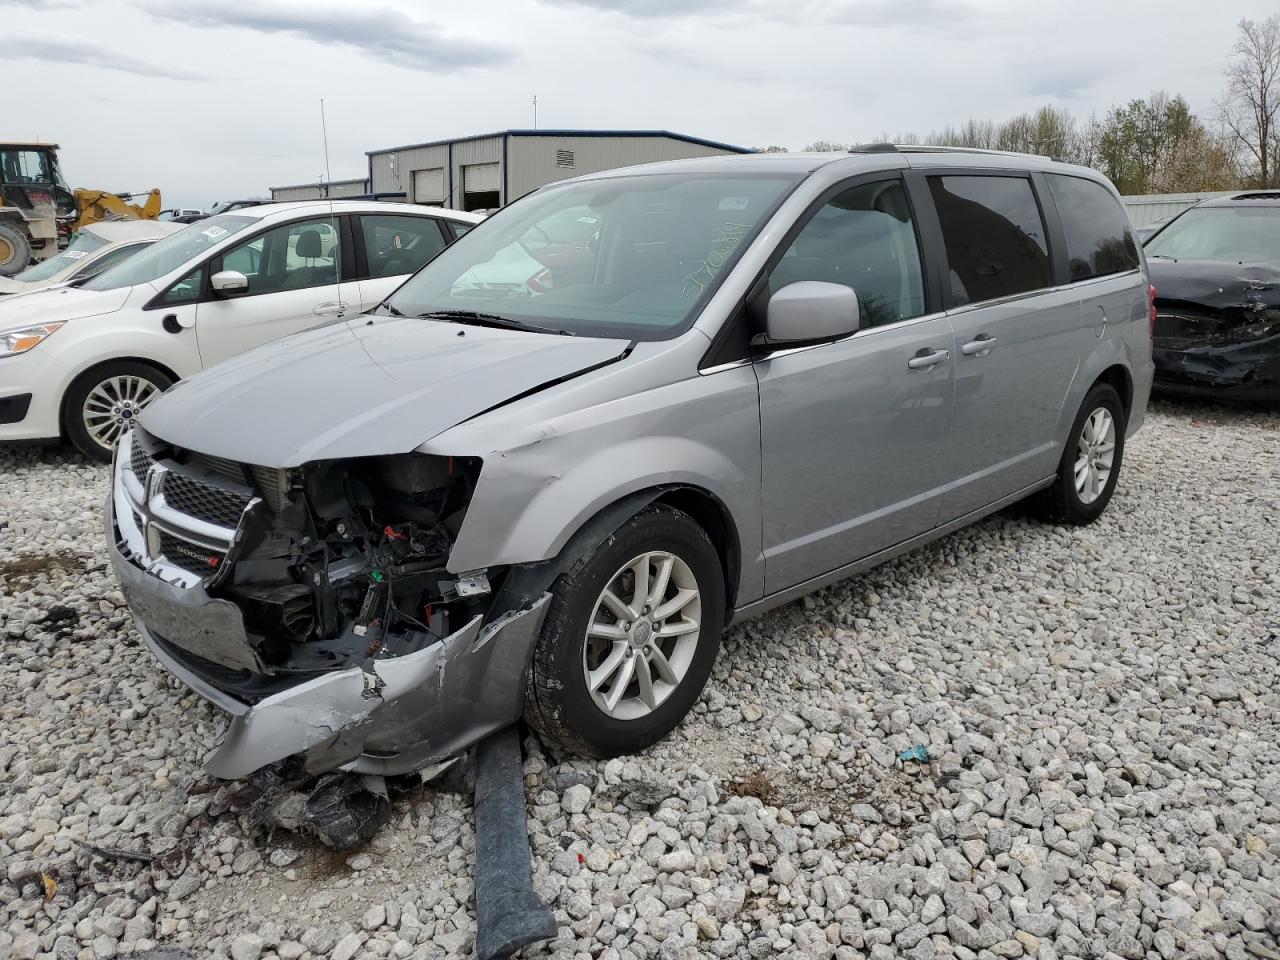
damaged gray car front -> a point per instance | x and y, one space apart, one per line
395 683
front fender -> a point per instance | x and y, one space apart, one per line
159 348
537 492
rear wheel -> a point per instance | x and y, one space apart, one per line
630 637
15 250
105 401
1090 464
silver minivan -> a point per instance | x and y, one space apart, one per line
623 412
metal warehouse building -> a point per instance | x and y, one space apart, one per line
337 189
482 172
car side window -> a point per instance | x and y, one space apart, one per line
864 238
396 246
1099 239
292 256
457 229
186 290
994 235
246 258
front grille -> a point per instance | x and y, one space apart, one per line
203 501
226 469
189 556
139 459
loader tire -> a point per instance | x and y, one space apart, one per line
15 250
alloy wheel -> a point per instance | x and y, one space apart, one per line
113 405
1095 455
643 634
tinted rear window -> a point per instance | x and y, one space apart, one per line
1099 240
994 235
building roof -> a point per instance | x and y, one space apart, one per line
318 183
685 138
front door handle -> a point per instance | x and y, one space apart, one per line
979 346
923 361
331 308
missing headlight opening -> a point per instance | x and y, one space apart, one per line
348 561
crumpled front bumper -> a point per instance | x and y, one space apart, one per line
387 716
1245 371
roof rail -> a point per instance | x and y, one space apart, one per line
935 148
873 148
1256 195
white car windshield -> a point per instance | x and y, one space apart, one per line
629 257
167 255
83 245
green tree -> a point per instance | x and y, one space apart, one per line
1135 140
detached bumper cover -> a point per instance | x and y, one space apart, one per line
387 716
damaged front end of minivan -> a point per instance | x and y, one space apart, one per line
314 604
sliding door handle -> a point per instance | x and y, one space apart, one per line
979 346
923 361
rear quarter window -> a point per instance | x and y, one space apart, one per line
1099 238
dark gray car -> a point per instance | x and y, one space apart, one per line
619 414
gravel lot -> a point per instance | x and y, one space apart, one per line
1100 707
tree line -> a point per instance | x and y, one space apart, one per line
1152 144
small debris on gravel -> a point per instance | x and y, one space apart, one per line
1099 708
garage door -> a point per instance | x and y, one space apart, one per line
428 186
480 177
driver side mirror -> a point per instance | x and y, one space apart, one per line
809 311
229 282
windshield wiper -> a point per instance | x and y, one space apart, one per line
393 310
475 319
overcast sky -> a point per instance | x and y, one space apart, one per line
210 99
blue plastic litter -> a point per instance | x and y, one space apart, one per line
919 753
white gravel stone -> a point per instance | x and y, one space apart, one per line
576 799
1099 707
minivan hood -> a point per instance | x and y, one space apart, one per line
363 387
58 304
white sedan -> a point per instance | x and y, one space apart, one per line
94 249
81 362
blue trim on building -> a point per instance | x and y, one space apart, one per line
507 134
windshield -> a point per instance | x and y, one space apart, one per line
169 254
81 247
1230 234
626 257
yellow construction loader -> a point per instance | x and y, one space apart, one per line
39 212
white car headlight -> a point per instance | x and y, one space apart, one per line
22 339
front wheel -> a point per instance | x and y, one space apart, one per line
1090 464
105 401
630 637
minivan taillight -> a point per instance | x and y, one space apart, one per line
1151 301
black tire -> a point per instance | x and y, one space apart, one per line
15 250
558 704
1061 503
73 403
